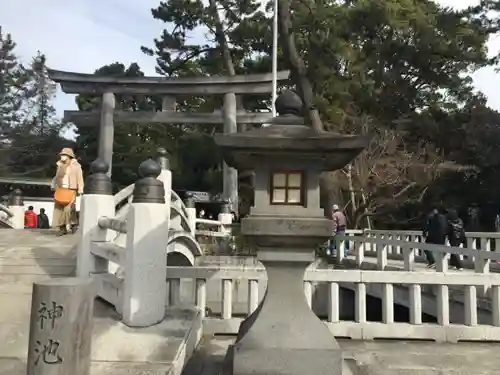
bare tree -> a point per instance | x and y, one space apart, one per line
389 174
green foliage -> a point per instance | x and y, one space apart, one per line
398 69
29 132
194 159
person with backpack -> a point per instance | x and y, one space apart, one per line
434 230
456 237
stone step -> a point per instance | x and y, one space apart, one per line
26 280
23 261
14 366
419 358
45 269
27 256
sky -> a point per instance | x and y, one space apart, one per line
83 35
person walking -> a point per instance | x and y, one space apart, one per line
339 227
43 220
30 221
67 185
434 231
456 237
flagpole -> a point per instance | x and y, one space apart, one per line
275 57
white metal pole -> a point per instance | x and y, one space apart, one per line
275 57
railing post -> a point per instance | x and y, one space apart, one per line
225 217
191 211
16 206
107 129
97 201
165 177
62 312
144 285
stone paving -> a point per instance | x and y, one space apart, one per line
116 349
21 263
30 255
378 357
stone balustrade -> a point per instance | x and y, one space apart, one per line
12 216
181 215
385 247
360 328
5 216
138 293
475 240
117 225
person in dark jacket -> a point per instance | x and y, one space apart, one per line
43 220
456 237
434 231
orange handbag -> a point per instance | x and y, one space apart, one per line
64 196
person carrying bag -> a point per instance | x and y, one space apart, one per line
67 185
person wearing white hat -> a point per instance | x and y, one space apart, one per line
67 185
339 227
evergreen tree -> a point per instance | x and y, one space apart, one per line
37 139
13 80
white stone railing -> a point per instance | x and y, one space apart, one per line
187 216
475 240
115 224
217 228
138 291
383 248
5 215
360 328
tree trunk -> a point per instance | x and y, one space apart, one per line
297 66
368 219
227 59
232 101
351 187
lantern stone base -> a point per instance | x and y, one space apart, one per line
283 336
285 361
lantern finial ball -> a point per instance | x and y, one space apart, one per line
289 103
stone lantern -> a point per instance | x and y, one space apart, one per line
283 335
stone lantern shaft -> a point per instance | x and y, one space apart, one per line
283 336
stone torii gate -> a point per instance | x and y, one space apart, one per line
168 88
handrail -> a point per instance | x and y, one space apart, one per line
338 276
6 209
117 225
419 233
424 246
175 198
209 222
124 194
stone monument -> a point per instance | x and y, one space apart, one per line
286 223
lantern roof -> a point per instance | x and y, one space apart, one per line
288 135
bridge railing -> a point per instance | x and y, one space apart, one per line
5 215
384 249
475 240
138 292
214 228
233 281
12 216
